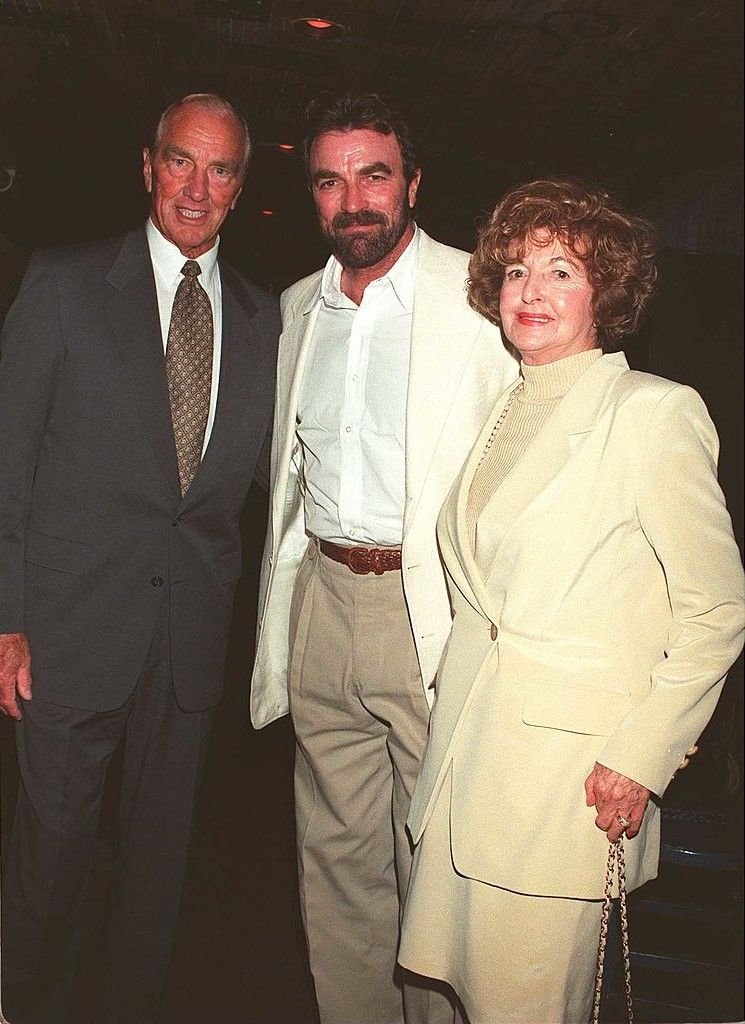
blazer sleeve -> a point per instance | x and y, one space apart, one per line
682 512
31 355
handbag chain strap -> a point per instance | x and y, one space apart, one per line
615 861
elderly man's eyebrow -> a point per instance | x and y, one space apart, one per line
173 149
229 165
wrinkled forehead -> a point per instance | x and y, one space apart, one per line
203 128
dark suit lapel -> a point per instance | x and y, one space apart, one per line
133 313
237 361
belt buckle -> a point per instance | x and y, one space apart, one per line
377 561
359 561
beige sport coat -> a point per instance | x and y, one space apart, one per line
609 611
458 366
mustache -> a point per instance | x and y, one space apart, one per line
361 218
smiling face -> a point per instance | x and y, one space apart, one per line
362 199
194 177
545 304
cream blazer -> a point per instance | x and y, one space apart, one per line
458 366
608 612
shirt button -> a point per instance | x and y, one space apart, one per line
493 631
348 430
157 581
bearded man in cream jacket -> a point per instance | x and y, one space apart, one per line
385 376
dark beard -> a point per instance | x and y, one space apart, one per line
361 251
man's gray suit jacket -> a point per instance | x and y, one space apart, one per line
94 533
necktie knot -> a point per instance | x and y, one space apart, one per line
191 269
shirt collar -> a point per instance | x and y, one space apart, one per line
400 277
168 260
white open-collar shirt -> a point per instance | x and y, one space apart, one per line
167 262
352 407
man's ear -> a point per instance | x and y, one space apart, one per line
147 169
235 198
414 188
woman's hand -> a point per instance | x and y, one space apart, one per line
620 802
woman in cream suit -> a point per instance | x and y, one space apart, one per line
597 594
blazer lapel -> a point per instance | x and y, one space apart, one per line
294 346
435 367
132 309
463 568
530 479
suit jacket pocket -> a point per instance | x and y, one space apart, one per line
592 712
58 553
229 567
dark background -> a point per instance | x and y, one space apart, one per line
643 96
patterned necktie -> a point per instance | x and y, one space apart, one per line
189 370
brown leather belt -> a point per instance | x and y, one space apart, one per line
362 560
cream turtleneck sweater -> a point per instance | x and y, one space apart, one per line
542 389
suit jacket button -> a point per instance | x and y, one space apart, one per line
157 581
493 631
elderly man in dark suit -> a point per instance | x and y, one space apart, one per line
136 386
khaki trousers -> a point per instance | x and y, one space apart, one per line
360 717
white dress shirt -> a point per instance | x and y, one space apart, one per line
167 262
352 408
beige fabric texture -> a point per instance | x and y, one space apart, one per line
521 419
512 958
613 585
596 622
360 717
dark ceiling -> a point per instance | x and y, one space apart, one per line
644 96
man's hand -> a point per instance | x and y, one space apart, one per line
620 802
15 673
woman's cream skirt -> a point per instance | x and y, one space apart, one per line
511 958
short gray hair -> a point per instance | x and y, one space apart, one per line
215 104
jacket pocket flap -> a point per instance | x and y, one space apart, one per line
229 567
573 709
57 553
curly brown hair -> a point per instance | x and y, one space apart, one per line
616 248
